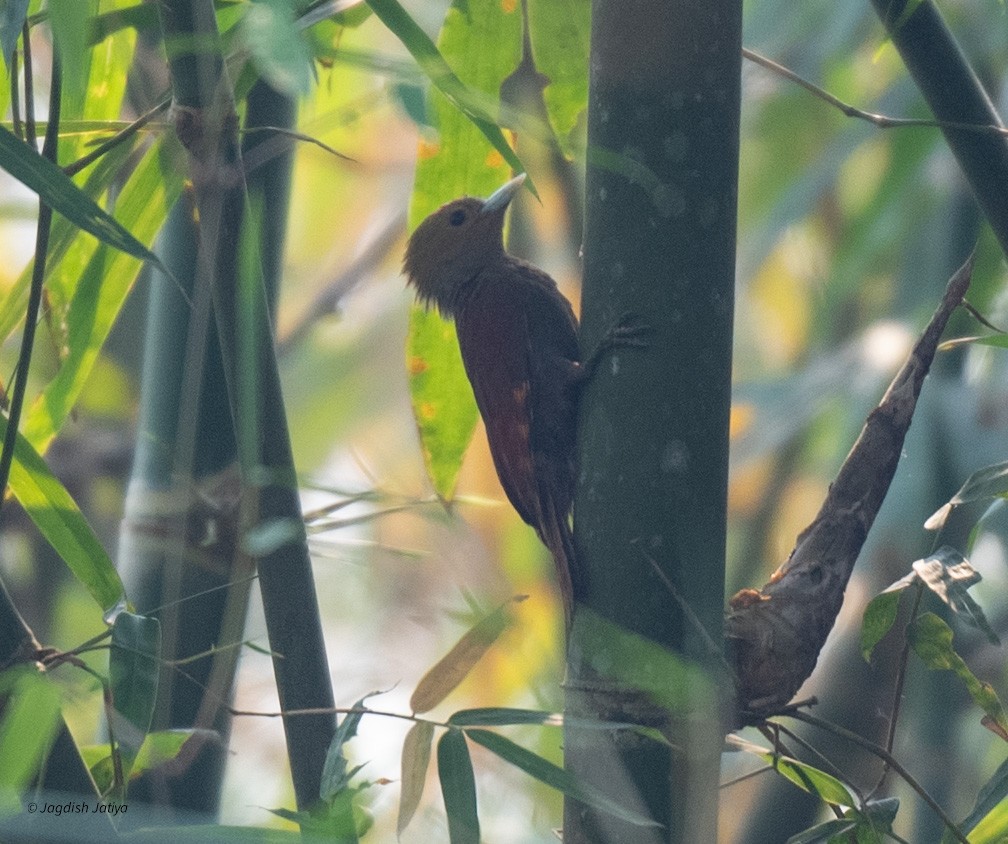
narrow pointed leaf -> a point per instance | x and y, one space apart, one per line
427 55
931 639
416 754
458 788
545 771
58 190
455 665
12 18
28 726
985 484
133 678
60 521
808 778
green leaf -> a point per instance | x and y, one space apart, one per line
808 778
443 678
56 515
823 832
556 777
462 162
108 277
484 14
335 777
458 788
948 574
70 22
133 680
880 615
500 716
159 748
416 753
28 728
278 50
59 191
12 17
560 31
931 639
988 822
983 485
443 402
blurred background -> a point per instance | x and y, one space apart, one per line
847 236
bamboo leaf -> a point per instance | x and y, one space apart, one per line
28 726
415 761
560 31
500 716
133 680
443 678
880 615
556 777
948 574
808 778
983 485
102 289
12 17
931 639
988 822
433 63
56 515
58 190
461 162
458 788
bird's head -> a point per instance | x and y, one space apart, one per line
450 248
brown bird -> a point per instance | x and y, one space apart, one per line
519 341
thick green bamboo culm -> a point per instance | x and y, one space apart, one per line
659 249
207 124
955 95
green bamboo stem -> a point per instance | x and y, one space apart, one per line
206 123
663 135
955 95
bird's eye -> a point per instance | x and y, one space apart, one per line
457 218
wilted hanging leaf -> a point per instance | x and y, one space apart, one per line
415 760
453 667
931 639
949 574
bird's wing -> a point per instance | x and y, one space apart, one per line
494 339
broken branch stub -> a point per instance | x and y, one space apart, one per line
773 635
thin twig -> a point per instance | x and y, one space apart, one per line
881 120
891 761
118 138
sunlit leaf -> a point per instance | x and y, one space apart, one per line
416 753
556 777
880 615
988 822
101 291
277 48
458 788
478 13
133 680
985 484
58 190
12 18
28 726
60 521
931 639
69 20
948 574
461 162
454 666
560 31
808 778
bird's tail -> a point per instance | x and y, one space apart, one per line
555 532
